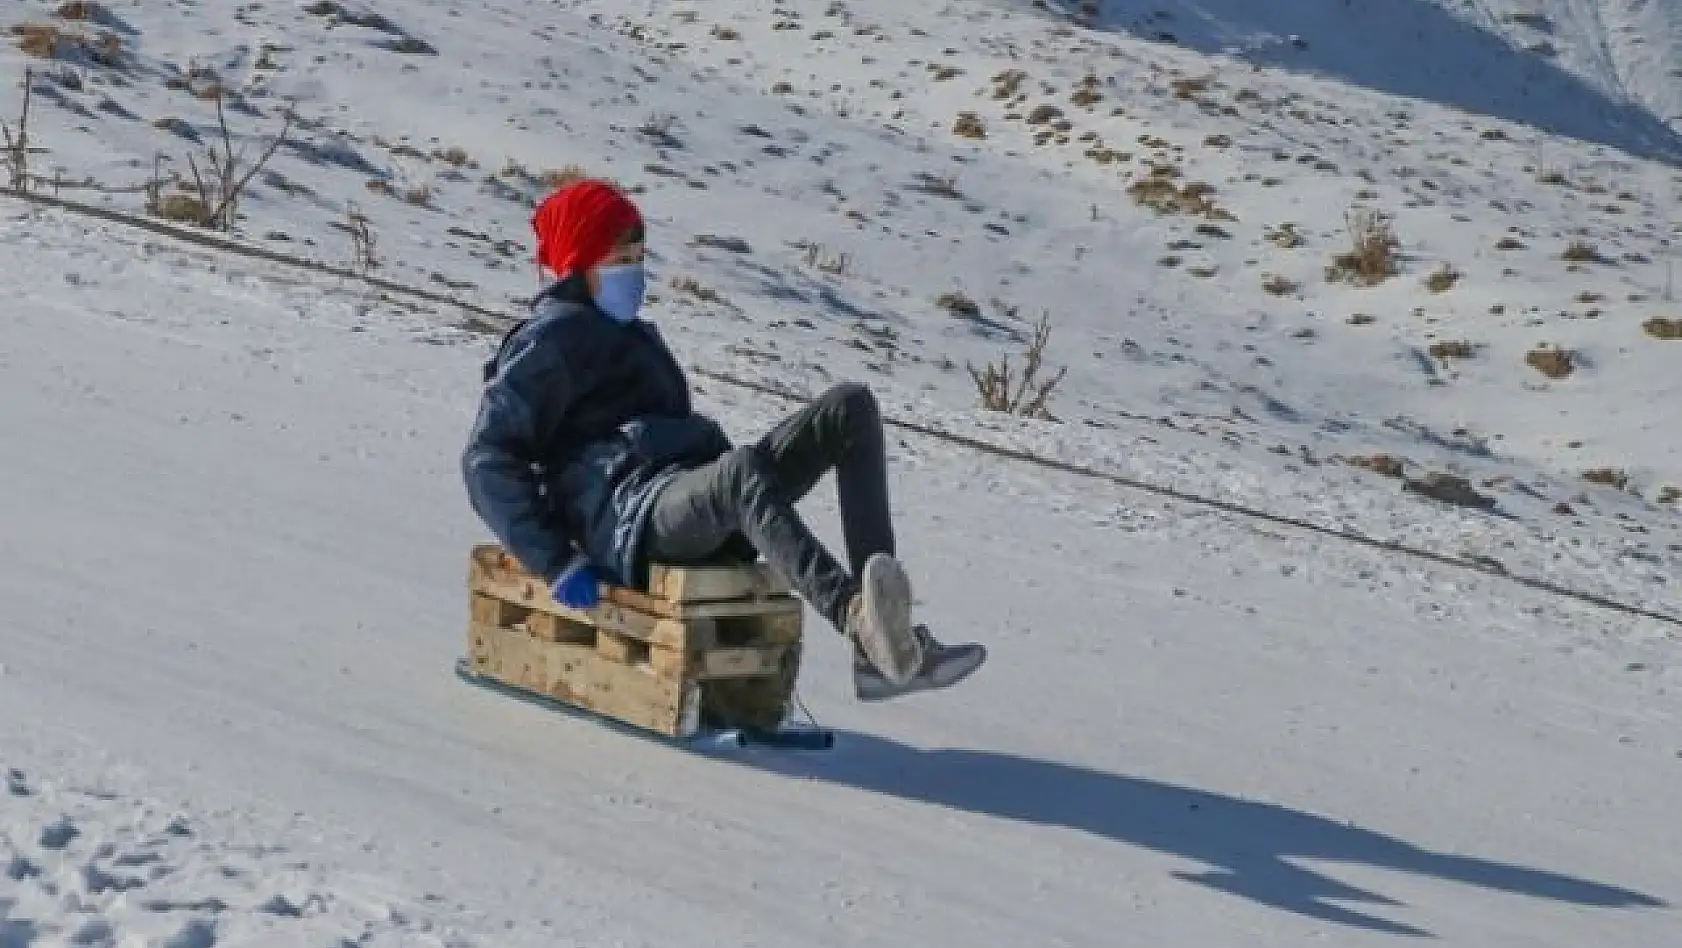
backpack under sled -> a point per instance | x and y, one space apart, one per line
709 653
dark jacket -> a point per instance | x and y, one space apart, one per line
583 419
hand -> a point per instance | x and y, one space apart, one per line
577 585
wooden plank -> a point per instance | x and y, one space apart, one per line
577 675
666 609
509 655
494 611
553 628
777 628
737 663
668 662
616 648
715 583
625 618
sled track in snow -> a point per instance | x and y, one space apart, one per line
489 321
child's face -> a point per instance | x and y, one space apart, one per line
618 257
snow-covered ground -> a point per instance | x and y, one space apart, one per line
233 536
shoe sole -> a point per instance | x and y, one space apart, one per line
948 674
885 628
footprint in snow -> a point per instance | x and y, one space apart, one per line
282 906
197 933
95 933
58 835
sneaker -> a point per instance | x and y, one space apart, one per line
879 620
942 667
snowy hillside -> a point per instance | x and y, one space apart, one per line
233 535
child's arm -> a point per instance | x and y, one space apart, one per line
497 462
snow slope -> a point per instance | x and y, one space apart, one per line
232 534
234 547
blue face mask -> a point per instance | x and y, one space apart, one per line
621 290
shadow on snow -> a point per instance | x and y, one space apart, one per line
1246 844
1410 48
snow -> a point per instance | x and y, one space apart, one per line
233 537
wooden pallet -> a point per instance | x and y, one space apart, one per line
714 645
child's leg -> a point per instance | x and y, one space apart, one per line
840 431
700 512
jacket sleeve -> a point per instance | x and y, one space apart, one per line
534 380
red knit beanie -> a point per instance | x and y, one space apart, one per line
579 225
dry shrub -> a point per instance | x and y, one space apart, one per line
15 157
1579 251
1453 349
561 177
1509 243
40 40
692 287
1669 494
1279 285
1442 279
969 125
1190 88
220 181
1609 476
1285 236
82 10
1383 464
1008 83
47 41
1660 327
1158 192
1552 362
181 208
1372 256
994 383
959 305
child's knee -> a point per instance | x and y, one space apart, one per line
854 400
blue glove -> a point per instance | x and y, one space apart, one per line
577 585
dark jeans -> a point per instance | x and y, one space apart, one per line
747 496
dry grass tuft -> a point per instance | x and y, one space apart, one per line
1453 349
1579 251
81 10
994 383
561 177
1383 464
1442 279
49 41
969 125
1609 476
1158 192
1279 285
1372 257
959 305
1551 362
181 208
1660 327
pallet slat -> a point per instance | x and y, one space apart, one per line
576 675
667 631
738 663
688 584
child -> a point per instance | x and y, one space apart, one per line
588 462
